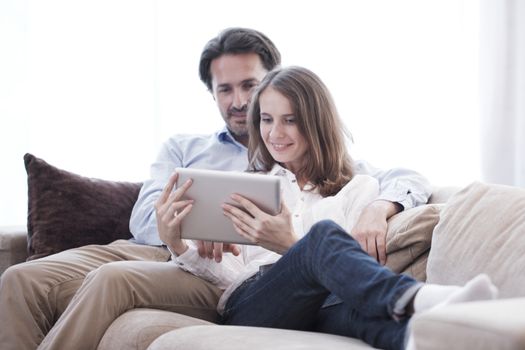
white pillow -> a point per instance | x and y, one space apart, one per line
481 229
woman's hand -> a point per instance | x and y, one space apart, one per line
170 211
271 232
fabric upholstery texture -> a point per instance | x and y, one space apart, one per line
13 243
143 326
253 338
481 230
408 239
485 325
66 210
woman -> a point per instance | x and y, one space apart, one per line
307 272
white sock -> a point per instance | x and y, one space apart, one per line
432 296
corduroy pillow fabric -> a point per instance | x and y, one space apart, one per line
408 239
482 230
66 210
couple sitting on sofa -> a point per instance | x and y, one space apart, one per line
321 278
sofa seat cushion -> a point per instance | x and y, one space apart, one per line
253 338
482 325
481 230
137 328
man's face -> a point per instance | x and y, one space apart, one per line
233 79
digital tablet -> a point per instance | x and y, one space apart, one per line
211 188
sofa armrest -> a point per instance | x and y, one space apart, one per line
494 324
13 246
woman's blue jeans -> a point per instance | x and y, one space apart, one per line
326 262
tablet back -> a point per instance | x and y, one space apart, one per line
211 188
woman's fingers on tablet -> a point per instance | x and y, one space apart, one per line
231 248
209 249
217 251
241 230
240 226
248 205
238 213
201 248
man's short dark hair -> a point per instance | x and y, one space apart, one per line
238 41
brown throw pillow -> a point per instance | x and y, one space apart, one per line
408 239
66 210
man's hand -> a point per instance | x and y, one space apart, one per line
371 228
170 210
214 250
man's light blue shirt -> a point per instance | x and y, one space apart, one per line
220 151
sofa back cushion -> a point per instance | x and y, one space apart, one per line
482 229
66 210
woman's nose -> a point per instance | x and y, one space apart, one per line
277 130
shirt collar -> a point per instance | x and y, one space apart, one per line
279 170
224 135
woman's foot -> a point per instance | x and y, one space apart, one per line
432 296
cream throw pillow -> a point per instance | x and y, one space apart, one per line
482 229
408 239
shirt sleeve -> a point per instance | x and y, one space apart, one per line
143 222
221 274
398 185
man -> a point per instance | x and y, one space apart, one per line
35 294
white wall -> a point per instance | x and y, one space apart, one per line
94 87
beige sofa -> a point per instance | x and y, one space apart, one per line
481 229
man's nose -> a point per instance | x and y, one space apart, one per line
240 99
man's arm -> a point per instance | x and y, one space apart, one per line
398 185
399 189
143 223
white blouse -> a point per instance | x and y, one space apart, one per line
307 207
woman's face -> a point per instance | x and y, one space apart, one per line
279 130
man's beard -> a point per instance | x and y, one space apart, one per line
238 129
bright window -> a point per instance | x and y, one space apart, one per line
94 87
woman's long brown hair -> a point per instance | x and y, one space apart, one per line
328 165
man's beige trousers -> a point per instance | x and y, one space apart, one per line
68 300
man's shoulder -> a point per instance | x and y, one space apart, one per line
192 139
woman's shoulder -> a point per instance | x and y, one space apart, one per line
361 182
